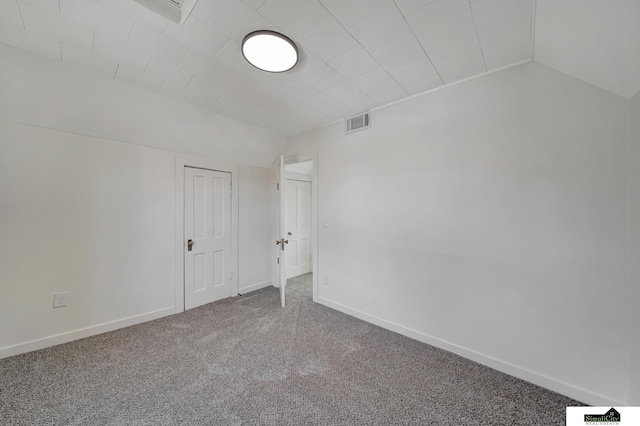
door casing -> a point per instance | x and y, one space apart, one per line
180 243
291 159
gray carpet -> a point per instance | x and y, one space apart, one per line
247 361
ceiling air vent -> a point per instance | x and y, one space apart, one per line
175 10
358 122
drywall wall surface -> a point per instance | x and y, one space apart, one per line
86 216
634 248
49 94
490 218
255 228
96 218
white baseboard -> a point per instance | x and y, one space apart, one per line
81 333
547 382
254 287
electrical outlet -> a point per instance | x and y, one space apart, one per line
60 299
325 280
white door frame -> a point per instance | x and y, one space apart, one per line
220 166
299 158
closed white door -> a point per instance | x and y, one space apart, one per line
207 231
298 219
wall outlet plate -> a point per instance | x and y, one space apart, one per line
325 280
60 299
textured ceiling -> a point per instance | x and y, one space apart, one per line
356 54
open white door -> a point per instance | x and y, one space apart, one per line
282 199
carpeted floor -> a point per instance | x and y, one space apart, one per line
247 361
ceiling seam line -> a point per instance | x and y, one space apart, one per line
196 98
366 50
421 46
372 57
219 48
218 9
130 31
534 9
280 29
20 12
183 55
337 20
475 26
190 80
328 96
145 67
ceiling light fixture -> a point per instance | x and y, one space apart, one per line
269 51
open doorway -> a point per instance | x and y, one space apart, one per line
298 208
297 228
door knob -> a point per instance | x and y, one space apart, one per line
189 245
283 242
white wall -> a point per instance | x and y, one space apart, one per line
96 218
255 228
48 94
634 252
87 200
488 218
84 215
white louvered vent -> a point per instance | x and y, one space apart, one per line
359 122
175 10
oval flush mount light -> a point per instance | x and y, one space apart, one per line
270 51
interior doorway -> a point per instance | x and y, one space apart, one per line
299 228
298 217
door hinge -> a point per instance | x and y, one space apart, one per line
278 186
231 275
278 261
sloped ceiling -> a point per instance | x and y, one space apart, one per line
597 41
356 54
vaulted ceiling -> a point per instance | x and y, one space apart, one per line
356 54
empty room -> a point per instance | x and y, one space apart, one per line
332 212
